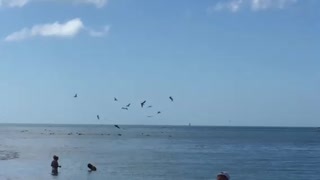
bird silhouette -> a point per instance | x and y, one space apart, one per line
142 104
115 99
128 105
75 96
171 99
98 117
124 108
117 126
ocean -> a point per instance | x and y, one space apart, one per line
158 152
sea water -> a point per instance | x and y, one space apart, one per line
158 152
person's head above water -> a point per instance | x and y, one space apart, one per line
89 166
223 176
55 157
92 167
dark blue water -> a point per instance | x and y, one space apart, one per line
159 153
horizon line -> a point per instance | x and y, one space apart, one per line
177 125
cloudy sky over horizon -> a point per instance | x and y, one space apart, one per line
225 62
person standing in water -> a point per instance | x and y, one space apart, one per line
91 167
55 165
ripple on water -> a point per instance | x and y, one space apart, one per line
7 155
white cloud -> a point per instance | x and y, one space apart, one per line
266 4
101 33
97 3
13 3
67 29
232 6
254 5
21 3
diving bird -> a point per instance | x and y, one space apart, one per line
117 126
115 99
128 105
142 104
124 108
98 117
171 99
75 96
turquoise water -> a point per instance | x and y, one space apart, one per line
159 152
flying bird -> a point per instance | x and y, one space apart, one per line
142 104
124 108
98 117
115 99
171 99
75 96
117 126
128 105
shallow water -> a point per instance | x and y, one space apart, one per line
158 152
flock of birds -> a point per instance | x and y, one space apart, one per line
126 107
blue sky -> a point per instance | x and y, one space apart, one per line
225 62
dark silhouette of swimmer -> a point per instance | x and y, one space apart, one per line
171 98
128 105
55 165
75 96
124 108
91 167
115 99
